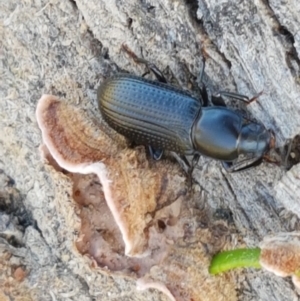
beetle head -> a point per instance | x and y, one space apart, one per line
255 140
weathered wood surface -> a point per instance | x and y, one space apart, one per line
58 47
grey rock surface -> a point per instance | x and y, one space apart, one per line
66 48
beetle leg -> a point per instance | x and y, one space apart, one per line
186 166
156 154
270 160
240 97
145 73
204 95
202 71
182 161
255 97
191 168
158 74
203 90
242 165
288 152
218 101
195 160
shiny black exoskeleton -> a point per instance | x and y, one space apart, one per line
164 117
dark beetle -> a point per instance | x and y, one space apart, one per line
164 117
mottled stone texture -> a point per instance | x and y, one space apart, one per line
66 48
